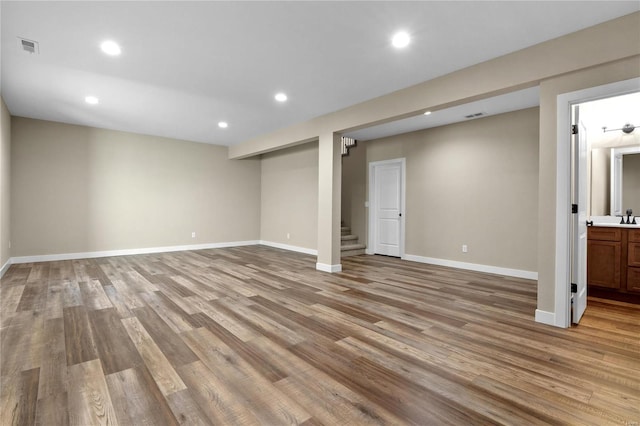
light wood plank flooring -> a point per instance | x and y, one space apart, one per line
255 335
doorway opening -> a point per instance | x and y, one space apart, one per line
573 186
606 142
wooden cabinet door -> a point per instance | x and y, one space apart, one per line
633 279
633 258
603 263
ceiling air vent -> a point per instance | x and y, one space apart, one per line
477 114
28 46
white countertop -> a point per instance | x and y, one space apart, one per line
613 222
616 225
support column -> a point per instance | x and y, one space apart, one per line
329 198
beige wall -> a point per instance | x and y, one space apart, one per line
599 139
81 189
354 176
631 183
289 196
5 182
473 183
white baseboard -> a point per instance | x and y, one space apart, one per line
5 267
517 273
127 252
545 317
329 268
289 247
149 250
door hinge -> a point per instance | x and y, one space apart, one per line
574 208
574 129
574 288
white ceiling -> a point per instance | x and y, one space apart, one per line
187 65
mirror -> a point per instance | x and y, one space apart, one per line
625 180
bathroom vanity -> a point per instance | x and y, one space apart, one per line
613 262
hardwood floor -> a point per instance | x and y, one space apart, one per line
254 335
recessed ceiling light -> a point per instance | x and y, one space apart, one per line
281 97
110 47
400 39
427 113
92 100
223 124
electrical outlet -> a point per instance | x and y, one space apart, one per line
288 236
193 235
465 249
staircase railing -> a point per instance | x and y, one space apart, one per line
346 144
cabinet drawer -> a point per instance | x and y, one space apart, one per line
634 235
604 234
633 257
633 279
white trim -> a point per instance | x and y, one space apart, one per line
545 317
127 252
289 247
329 268
562 315
5 267
371 243
517 273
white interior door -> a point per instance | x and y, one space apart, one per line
579 269
388 193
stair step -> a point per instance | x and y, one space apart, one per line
353 252
347 247
345 230
348 239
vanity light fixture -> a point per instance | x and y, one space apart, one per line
281 97
91 100
627 128
223 124
111 48
427 113
400 39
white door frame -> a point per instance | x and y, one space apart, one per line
563 261
371 243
